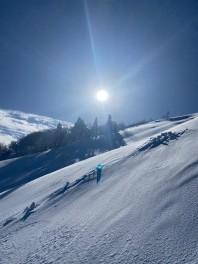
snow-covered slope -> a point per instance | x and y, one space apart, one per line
15 124
144 209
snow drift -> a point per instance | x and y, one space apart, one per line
144 209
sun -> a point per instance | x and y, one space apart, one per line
102 95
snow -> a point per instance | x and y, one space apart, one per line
16 124
144 209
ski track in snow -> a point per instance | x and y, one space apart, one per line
144 210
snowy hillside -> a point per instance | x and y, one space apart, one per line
15 124
144 209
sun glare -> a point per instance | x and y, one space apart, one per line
102 95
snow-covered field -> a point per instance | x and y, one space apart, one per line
144 209
15 124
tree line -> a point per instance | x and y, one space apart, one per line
64 136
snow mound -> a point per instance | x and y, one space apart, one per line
163 138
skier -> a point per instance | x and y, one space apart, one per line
99 172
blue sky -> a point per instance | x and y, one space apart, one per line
55 55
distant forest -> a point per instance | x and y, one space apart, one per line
101 137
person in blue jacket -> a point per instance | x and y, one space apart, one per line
99 172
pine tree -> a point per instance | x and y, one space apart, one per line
4 152
79 130
109 125
95 128
59 127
